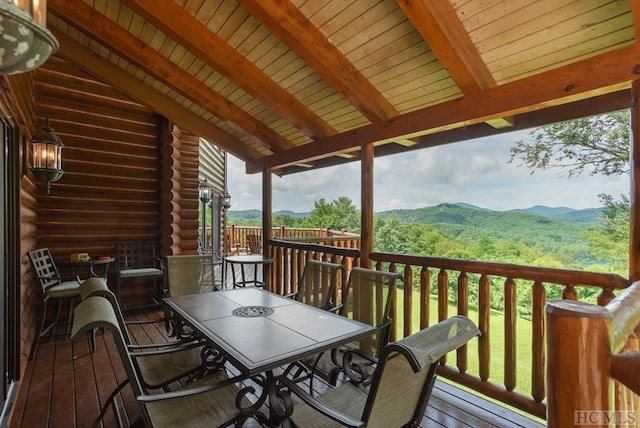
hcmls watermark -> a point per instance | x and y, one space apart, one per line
605 417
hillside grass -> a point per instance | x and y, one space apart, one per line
496 341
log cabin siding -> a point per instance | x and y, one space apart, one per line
110 190
118 173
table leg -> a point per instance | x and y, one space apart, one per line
244 279
279 401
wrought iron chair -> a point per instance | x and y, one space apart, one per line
188 274
401 386
367 299
158 364
137 260
317 285
54 288
209 401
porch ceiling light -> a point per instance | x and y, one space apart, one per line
24 43
46 148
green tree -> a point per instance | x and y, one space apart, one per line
610 240
286 220
599 145
339 214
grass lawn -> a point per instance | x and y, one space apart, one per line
496 341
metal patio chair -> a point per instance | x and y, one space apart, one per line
316 287
190 405
368 299
136 260
188 274
401 386
54 289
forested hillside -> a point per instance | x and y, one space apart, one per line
537 235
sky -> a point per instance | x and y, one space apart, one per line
476 172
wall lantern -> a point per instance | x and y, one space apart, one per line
25 43
46 148
225 200
205 192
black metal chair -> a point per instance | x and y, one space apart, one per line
54 288
210 401
367 299
400 389
137 260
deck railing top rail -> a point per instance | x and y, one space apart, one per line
510 270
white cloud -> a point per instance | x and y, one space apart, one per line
476 172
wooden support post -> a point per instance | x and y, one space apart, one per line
267 223
578 381
366 205
634 194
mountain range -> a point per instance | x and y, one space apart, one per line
441 212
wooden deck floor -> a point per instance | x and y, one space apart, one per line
65 384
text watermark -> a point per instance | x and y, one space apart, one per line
605 417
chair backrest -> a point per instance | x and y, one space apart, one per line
92 287
136 255
369 294
255 244
97 312
317 285
406 372
45 268
186 274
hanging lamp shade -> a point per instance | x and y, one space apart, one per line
24 44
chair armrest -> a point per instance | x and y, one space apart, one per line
335 309
186 392
317 405
161 348
357 371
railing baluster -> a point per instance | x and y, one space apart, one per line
484 353
443 294
443 301
510 334
538 358
463 309
407 284
394 299
569 292
425 296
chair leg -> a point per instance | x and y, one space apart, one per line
36 343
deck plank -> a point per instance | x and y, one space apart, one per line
65 385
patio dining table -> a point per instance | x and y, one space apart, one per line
258 331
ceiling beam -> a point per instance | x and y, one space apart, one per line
439 26
291 26
86 19
195 37
561 85
588 107
124 82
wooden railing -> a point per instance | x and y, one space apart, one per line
594 362
238 234
428 279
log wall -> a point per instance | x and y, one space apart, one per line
128 175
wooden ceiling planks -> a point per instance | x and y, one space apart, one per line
258 57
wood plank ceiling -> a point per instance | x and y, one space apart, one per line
291 84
